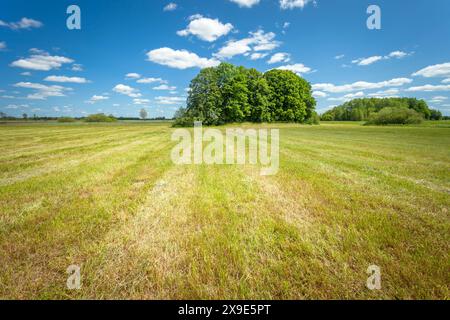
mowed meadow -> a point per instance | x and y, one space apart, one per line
109 199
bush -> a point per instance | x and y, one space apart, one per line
100 117
395 116
313 119
66 119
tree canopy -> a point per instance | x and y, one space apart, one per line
229 93
361 109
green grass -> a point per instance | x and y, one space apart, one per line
108 198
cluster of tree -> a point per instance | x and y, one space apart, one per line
362 109
228 93
100 117
395 115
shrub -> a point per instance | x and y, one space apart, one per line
395 116
100 117
66 119
313 119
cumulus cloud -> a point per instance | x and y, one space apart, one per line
165 87
298 68
179 59
360 85
437 70
246 3
384 93
257 41
429 88
42 91
24 23
446 80
151 80
373 59
41 61
338 57
291 4
206 29
367 61
258 55
138 101
77 67
170 7
132 75
66 79
348 97
96 98
438 99
170 100
127 90
319 94
279 57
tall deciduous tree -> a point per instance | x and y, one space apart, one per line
228 93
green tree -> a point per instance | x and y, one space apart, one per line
290 96
205 99
143 114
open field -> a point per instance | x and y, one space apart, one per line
108 198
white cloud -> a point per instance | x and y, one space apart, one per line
298 68
373 59
140 101
77 67
26 73
367 61
446 80
258 55
429 88
96 98
56 109
206 29
2 45
164 87
42 91
246 3
338 57
397 54
437 70
360 85
24 23
151 80
170 100
279 57
319 94
384 93
291 4
42 62
179 59
348 97
66 79
132 75
127 90
257 41
438 99
170 7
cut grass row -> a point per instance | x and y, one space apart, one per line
109 199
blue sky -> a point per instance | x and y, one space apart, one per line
47 69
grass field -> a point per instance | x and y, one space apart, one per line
108 198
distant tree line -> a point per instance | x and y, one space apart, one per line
363 109
228 93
